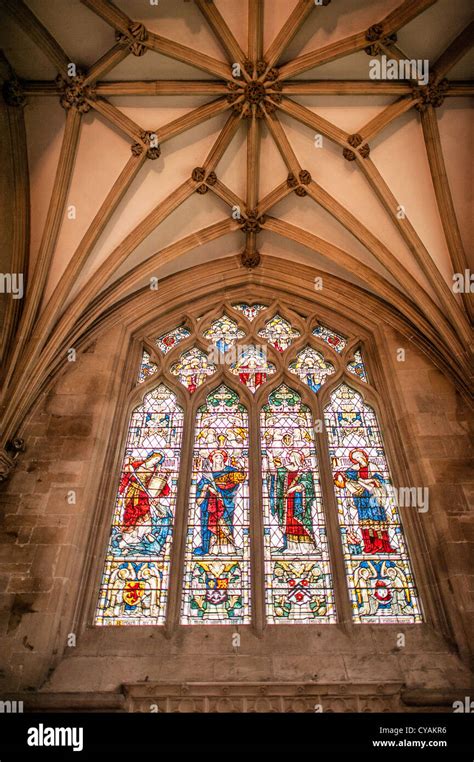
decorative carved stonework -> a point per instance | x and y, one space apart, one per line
297 183
355 141
259 69
16 446
7 464
263 697
375 49
431 95
374 33
250 258
13 93
199 176
253 223
255 92
248 66
232 98
74 93
220 697
270 107
257 96
348 154
149 141
276 97
292 181
137 35
237 107
8 457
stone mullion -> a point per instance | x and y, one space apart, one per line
330 509
257 546
257 551
178 548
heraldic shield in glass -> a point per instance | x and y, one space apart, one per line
335 340
135 579
378 569
217 565
170 340
298 582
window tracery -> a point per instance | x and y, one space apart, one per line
257 372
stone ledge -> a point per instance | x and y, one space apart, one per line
242 697
70 702
436 700
262 697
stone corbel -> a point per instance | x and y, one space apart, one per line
8 457
13 93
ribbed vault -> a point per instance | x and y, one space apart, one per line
264 98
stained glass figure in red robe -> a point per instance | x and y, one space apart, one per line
146 518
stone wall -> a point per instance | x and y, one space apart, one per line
47 548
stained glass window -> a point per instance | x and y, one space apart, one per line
335 340
192 368
169 340
147 368
311 367
223 333
357 367
249 310
298 581
291 544
217 569
252 366
379 575
279 333
134 584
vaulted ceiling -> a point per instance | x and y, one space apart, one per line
138 132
